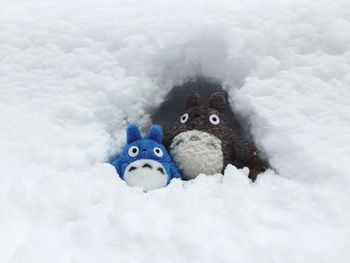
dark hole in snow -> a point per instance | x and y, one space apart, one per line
174 106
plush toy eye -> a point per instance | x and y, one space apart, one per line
133 151
214 119
158 152
184 118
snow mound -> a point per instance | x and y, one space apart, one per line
74 73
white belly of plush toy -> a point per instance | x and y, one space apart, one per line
197 152
147 174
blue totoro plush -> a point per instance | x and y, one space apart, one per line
145 162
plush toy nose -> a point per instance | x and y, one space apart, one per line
197 121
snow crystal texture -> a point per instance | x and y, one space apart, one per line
74 73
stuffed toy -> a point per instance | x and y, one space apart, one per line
202 141
145 162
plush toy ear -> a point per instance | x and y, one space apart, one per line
217 101
132 133
156 133
193 99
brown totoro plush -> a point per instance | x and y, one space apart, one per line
202 141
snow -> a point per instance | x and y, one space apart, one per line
73 73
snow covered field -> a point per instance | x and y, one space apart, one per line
73 73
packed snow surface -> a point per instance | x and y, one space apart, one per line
74 73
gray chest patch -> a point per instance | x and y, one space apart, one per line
197 152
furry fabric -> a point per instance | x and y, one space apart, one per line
209 120
197 152
145 162
146 173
